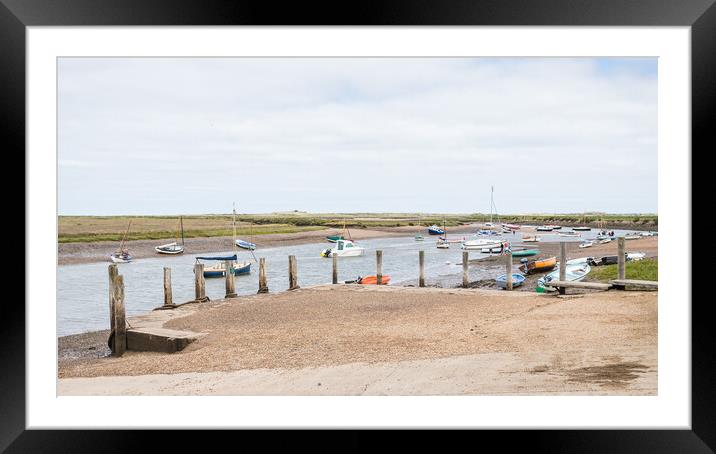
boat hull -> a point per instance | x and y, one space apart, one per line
517 280
373 280
525 253
120 259
432 231
539 265
220 271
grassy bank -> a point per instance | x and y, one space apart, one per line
112 228
647 270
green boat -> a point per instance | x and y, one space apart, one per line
525 253
334 238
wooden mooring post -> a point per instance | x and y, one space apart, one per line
562 261
508 270
230 279
621 258
168 287
263 285
113 272
199 283
465 264
421 261
118 319
335 269
379 266
292 273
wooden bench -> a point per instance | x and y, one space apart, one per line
562 286
635 284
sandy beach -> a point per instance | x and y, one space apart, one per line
357 340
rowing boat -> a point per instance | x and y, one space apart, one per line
517 280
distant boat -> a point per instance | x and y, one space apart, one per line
604 240
170 248
525 253
122 255
419 236
517 280
443 241
568 234
582 229
586 244
632 236
554 227
435 230
245 245
531 239
173 248
487 233
344 248
544 228
484 244
511 226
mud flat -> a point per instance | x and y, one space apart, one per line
359 340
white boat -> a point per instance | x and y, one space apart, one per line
484 244
632 236
575 271
569 234
635 256
173 248
605 240
443 240
531 239
344 248
586 244
122 255
544 228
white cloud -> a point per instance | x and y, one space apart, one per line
357 134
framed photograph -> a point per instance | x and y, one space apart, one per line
406 218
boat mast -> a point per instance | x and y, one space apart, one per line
492 190
181 223
121 243
233 225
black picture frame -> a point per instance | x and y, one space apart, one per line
700 15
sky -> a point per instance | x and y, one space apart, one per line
165 136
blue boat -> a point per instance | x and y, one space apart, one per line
435 230
245 245
517 280
219 269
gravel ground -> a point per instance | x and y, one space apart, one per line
334 325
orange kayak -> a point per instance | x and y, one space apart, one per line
373 280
